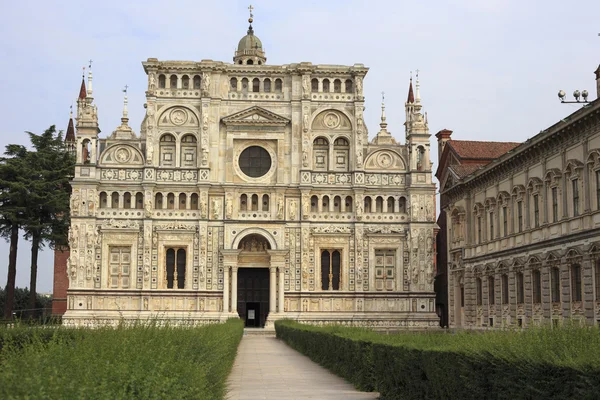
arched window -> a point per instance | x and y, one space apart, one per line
185 82
420 158
170 201
127 200
314 204
379 204
194 201
337 86
576 286
491 290
250 62
320 154
167 150
265 202
504 289
103 200
182 201
555 284
188 151
244 85
402 205
85 151
479 292
243 202
158 201
337 204
114 200
173 82
330 269
175 262
391 202
349 87
326 85
325 203
196 81
139 200
278 85
267 85
367 204
233 84
314 85
520 288
162 81
256 85
254 202
349 203
341 150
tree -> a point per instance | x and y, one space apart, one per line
47 219
14 190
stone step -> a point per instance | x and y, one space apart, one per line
259 331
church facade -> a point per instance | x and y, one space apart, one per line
252 190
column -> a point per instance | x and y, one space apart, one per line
234 282
226 289
121 200
281 283
272 289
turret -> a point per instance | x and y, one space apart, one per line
417 130
123 131
442 136
70 142
250 51
597 72
383 136
87 124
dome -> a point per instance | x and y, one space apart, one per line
250 42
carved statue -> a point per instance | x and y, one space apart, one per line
305 123
359 86
305 158
91 239
229 212
359 207
72 268
75 203
203 207
148 207
280 208
205 82
204 122
216 209
74 237
306 206
359 158
306 86
293 209
152 81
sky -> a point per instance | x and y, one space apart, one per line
489 69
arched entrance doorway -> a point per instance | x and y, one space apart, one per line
253 277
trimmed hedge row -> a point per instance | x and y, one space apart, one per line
139 362
541 363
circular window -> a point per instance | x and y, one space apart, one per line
255 161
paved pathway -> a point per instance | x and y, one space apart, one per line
266 368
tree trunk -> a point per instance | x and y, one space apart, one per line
12 272
35 249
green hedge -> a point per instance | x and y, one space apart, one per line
537 363
144 362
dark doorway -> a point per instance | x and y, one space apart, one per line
253 295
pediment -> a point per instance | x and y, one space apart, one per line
256 116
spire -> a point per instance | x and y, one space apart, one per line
250 20
383 124
82 91
411 96
418 91
383 136
125 117
90 79
70 136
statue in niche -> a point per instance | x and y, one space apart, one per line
306 86
229 212
75 203
254 243
204 123
72 268
293 209
73 237
151 81
91 240
359 86
216 209
305 122
205 82
145 303
305 158
280 208
203 207
148 207
359 207
306 206
359 158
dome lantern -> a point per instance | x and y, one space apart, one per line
249 50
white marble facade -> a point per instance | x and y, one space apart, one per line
249 165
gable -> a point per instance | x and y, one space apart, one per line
256 116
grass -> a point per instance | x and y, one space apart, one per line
143 361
